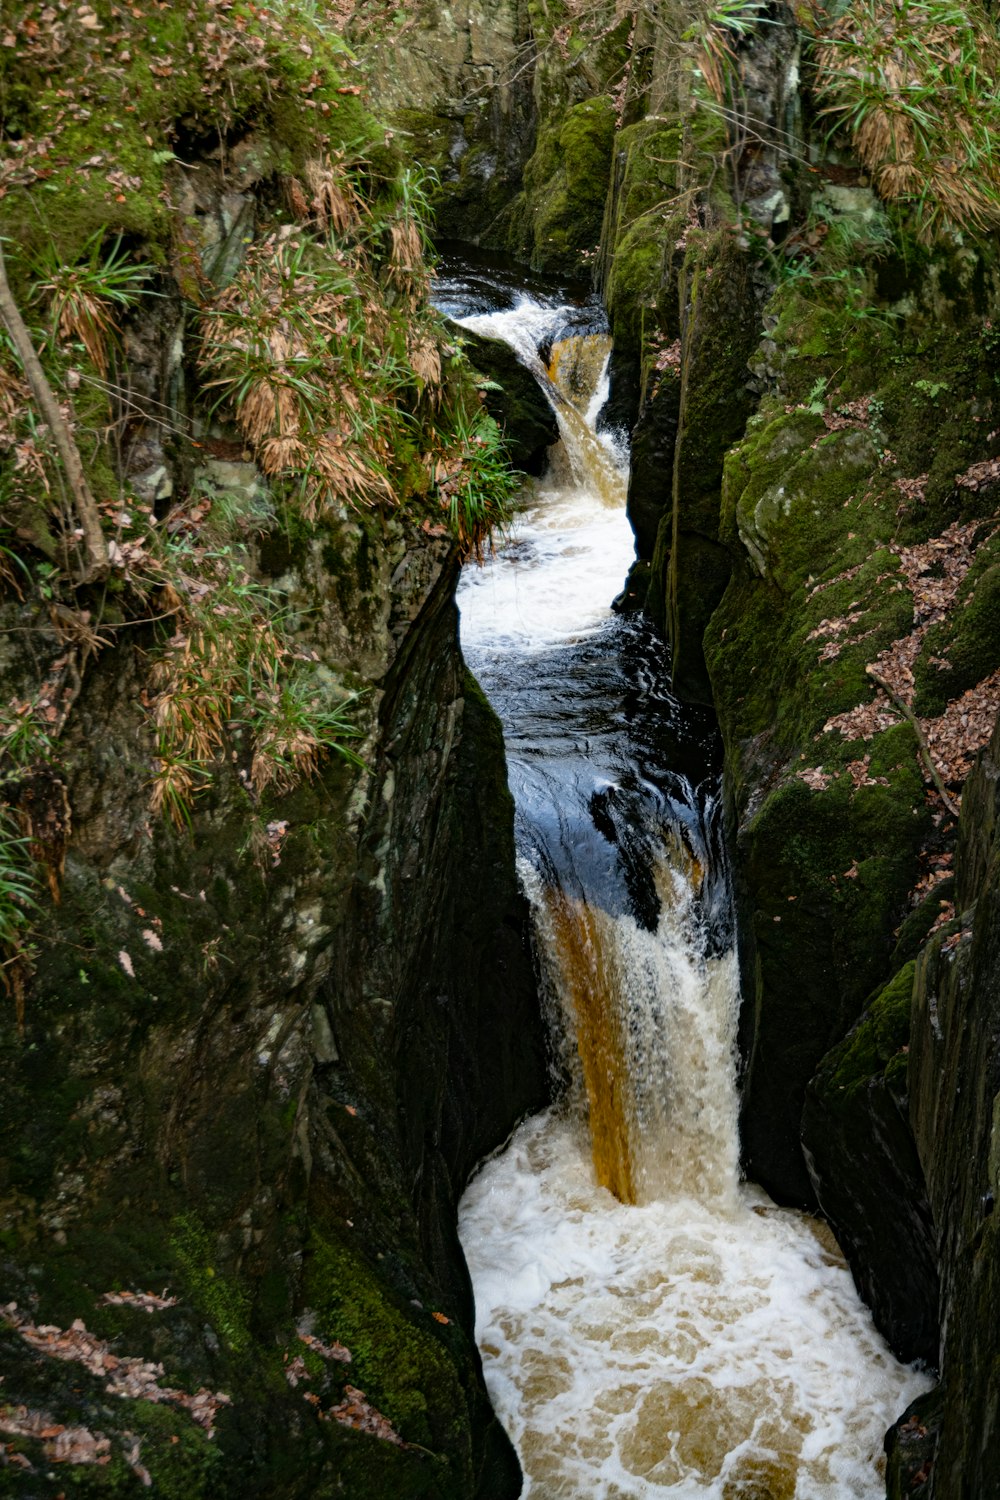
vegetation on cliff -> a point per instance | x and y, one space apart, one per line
221 261
303 342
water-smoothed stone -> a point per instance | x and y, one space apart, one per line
517 403
650 490
863 1162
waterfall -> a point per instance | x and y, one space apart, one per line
649 1325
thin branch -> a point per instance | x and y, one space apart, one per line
86 507
925 749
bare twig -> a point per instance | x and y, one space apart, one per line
925 749
95 547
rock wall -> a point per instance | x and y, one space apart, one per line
262 1085
954 1085
251 1052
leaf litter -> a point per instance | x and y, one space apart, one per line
125 1375
933 571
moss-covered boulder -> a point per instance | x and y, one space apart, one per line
954 1087
565 183
864 1166
514 399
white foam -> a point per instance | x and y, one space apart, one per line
674 1348
570 546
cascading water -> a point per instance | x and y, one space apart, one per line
649 1326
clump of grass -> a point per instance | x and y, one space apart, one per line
24 745
86 299
232 665
338 373
300 353
474 478
917 85
18 892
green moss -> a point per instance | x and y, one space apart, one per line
916 927
637 289
566 183
183 1461
876 1045
112 164
790 516
642 223
219 1298
401 1365
647 160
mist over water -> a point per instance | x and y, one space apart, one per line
649 1325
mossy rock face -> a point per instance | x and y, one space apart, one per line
719 330
864 1166
836 472
517 404
790 516
226 1058
642 223
453 83
650 490
566 183
113 168
827 873
954 1091
910 1446
214 1095
962 650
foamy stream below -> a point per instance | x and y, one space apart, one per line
649 1325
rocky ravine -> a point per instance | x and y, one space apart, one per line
817 376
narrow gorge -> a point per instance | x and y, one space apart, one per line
498 752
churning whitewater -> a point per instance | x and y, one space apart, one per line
649 1326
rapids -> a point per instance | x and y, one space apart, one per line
649 1325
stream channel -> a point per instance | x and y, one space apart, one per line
649 1325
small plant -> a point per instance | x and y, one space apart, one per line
18 902
931 388
723 24
293 731
85 299
18 886
816 399
24 739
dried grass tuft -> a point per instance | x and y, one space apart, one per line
916 83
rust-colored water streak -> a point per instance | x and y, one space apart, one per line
589 981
